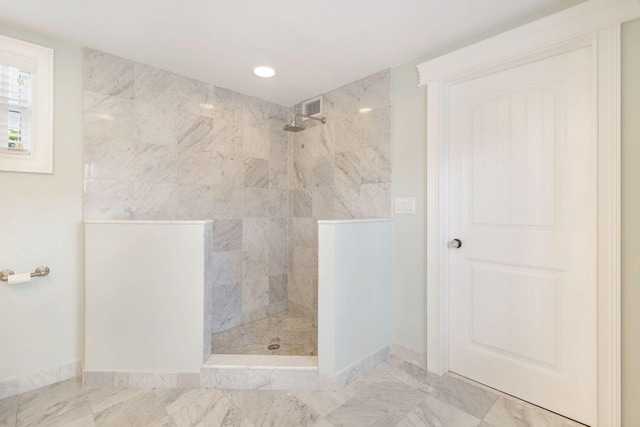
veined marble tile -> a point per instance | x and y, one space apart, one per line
56 405
206 408
304 232
106 199
278 256
151 83
323 203
305 261
227 235
302 203
97 379
145 380
432 412
324 171
506 412
8 411
255 236
345 99
375 200
108 159
279 147
255 293
314 141
157 201
375 128
227 131
348 132
227 204
375 164
278 203
192 97
195 202
234 379
256 172
376 90
108 74
277 288
255 265
300 290
197 134
227 306
256 202
227 171
347 170
156 122
347 202
460 394
155 163
195 167
227 268
302 173
225 99
255 140
107 117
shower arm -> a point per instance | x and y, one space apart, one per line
320 119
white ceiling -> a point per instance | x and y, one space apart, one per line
315 46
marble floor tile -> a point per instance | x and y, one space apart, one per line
295 334
393 394
510 413
432 412
8 411
460 394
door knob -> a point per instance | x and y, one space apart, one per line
455 244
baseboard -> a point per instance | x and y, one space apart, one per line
410 355
355 370
34 380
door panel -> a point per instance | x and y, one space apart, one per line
522 199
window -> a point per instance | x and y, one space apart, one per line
26 106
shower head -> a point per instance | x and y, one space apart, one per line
295 127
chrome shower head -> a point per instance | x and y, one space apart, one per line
295 127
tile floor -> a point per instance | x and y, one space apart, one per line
295 334
394 394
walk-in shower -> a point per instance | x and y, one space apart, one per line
296 127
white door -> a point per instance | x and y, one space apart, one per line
522 199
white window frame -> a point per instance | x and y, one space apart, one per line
39 61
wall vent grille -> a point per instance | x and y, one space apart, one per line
312 107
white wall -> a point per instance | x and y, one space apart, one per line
630 222
41 224
354 291
145 296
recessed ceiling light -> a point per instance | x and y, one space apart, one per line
106 117
264 71
206 106
365 110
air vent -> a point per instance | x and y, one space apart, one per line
312 107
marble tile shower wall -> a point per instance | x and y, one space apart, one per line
340 170
165 147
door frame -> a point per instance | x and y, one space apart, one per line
595 24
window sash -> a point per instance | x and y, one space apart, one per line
15 109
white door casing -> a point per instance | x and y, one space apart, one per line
522 294
595 26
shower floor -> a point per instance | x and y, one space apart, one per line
292 333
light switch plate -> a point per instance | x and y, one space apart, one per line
405 205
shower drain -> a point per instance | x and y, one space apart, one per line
273 347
